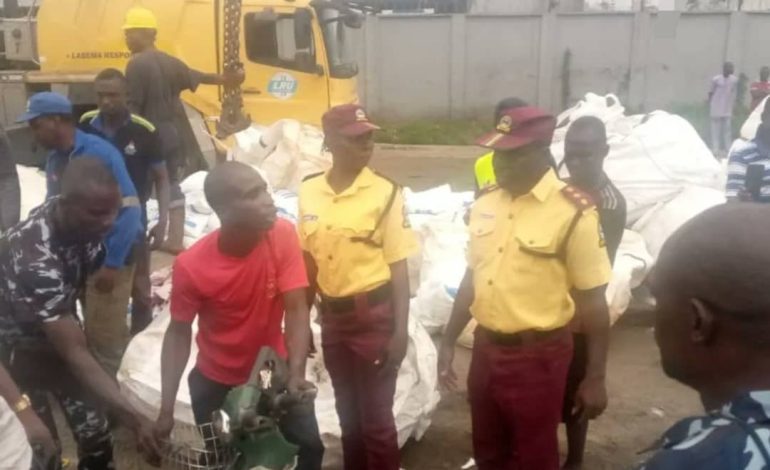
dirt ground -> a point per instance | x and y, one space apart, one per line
643 402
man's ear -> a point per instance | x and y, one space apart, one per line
703 323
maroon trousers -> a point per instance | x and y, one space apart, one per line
516 395
352 343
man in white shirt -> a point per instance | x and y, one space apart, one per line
721 102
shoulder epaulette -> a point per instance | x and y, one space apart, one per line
88 116
311 176
136 119
577 197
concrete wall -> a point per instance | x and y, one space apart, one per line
456 66
517 6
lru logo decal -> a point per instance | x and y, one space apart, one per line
282 86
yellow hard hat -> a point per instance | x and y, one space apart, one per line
140 18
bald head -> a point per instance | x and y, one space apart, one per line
719 257
585 148
227 181
589 126
90 199
712 313
239 196
86 176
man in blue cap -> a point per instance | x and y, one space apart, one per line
106 302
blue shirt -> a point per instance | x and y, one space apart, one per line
752 153
720 440
128 226
138 142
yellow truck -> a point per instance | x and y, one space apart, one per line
298 55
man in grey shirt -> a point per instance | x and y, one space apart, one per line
10 194
724 90
155 81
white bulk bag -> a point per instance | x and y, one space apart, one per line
287 151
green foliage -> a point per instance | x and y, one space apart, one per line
432 132
466 131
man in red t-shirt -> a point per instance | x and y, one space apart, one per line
238 281
760 89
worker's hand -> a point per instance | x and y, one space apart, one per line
105 280
146 440
447 378
301 387
38 435
163 426
157 234
234 78
590 399
394 353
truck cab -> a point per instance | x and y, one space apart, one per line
298 55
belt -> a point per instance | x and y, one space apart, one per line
521 338
348 304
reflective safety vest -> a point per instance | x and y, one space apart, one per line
485 171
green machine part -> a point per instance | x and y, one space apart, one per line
248 419
265 451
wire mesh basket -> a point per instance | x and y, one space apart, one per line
197 448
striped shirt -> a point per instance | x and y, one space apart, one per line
752 153
611 206
612 214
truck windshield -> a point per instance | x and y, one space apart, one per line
339 44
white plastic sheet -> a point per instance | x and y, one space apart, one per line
632 264
665 218
33 188
286 151
442 268
652 157
437 217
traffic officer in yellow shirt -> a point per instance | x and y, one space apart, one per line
536 254
356 240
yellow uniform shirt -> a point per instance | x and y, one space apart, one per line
328 223
485 171
522 279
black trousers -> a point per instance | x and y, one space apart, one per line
297 426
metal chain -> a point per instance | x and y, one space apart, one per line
232 119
